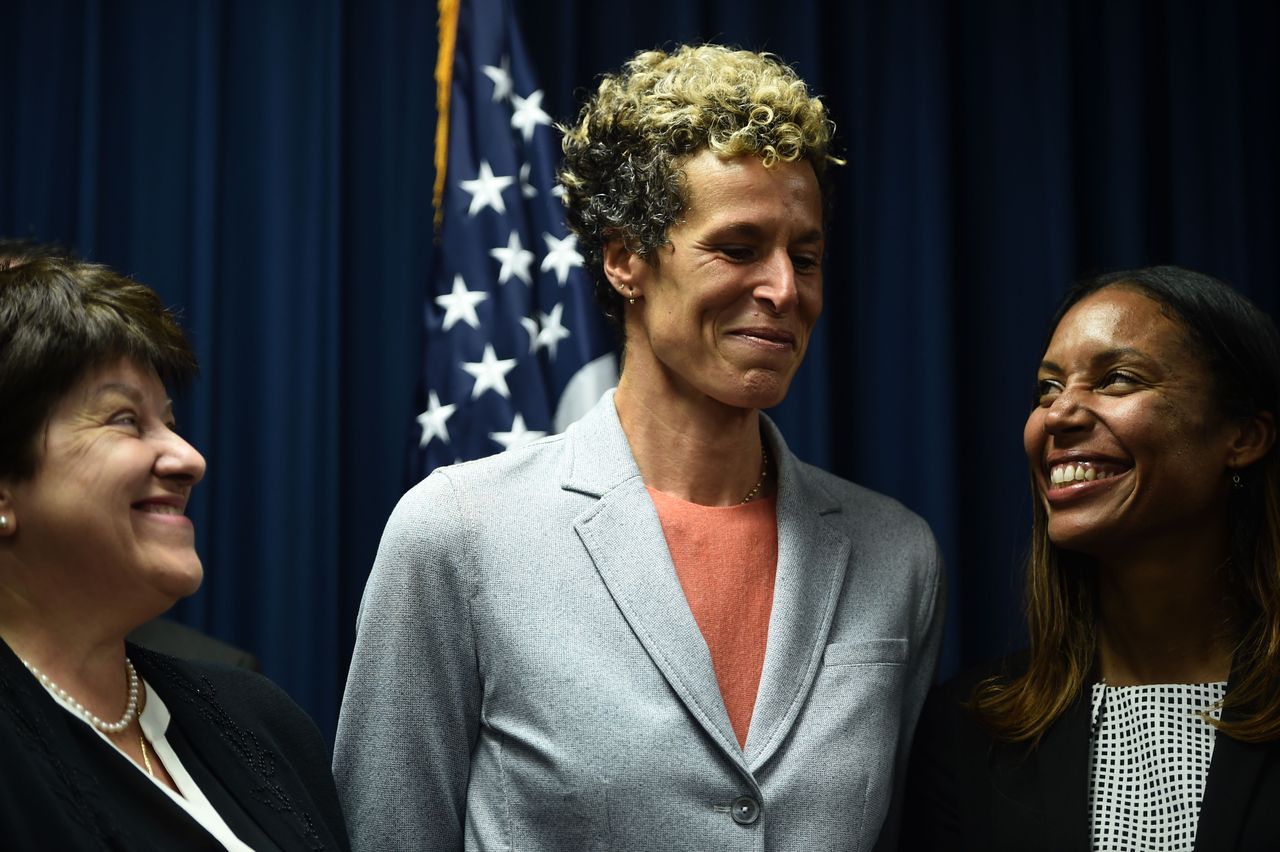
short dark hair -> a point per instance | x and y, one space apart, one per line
60 318
15 251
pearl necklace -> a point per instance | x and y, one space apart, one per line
130 710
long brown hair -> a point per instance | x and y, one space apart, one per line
1241 348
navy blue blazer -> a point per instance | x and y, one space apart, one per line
967 791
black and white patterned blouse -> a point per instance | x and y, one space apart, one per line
1149 758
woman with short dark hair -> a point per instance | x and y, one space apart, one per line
104 744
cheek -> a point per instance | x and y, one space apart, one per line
1182 442
1033 435
1162 429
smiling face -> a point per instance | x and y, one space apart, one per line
726 309
1128 448
104 510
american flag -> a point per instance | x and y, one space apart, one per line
515 345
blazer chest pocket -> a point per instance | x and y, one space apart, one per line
873 652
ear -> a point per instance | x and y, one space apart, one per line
1253 439
624 268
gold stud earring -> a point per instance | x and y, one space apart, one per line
4 522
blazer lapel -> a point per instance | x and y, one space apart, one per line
624 538
1061 782
233 754
1229 790
813 557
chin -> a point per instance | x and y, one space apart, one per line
761 391
180 581
1086 542
752 402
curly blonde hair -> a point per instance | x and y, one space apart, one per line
621 173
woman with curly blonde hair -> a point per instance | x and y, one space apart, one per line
661 630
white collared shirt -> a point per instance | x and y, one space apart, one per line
155 722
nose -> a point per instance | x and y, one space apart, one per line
178 460
777 287
1066 413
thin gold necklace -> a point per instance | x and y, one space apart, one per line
142 740
764 468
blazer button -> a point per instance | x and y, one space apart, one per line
745 810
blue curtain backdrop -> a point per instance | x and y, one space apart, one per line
267 168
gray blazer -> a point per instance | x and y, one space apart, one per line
528 676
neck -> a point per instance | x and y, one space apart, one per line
693 447
75 652
1164 621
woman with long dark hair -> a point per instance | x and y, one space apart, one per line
1146 711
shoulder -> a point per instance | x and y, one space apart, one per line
947 712
864 508
261 726
961 685
886 538
950 786
250 700
441 520
179 640
516 474
534 459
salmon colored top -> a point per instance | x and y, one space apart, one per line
727 558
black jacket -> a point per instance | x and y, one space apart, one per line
256 756
967 791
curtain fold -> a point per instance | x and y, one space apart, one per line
267 168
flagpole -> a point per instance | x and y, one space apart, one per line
447 36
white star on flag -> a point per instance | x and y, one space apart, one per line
486 189
515 260
461 304
548 333
490 373
530 325
434 421
553 330
562 255
499 200
528 114
501 77
518 436
527 189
